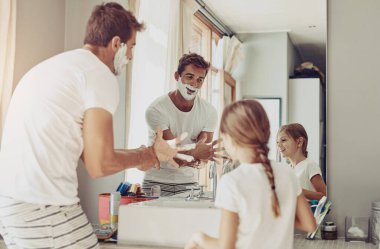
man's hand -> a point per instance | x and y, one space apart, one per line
148 159
204 151
163 150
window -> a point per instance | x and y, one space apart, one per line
204 42
201 44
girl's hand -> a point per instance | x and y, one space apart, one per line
195 241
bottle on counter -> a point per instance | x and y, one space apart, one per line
114 209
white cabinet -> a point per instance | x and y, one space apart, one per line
304 107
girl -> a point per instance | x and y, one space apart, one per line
260 201
292 143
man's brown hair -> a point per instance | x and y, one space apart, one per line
108 20
192 59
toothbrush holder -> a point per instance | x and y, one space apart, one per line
357 229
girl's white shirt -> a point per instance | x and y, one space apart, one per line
305 170
247 192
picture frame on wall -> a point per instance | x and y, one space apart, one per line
273 107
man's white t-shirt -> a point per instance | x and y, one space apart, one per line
305 170
164 114
247 192
42 137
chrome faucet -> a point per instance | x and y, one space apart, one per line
228 166
192 196
201 193
213 174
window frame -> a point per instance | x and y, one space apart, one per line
210 33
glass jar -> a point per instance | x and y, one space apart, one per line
375 222
329 231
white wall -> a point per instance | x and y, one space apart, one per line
39 33
77 14
269 59
264 69
294 58
304 108
353 107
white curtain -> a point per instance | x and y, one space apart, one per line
7 54
156 55
226 56
179 36
231 53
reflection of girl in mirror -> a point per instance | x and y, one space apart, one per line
292 144
261 201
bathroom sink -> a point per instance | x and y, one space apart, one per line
188 204
167 222
176 202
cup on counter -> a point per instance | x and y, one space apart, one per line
155 191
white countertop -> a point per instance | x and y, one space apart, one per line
103 246
115 246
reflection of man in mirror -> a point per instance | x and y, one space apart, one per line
182 111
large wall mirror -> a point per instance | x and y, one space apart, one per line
277 38
274 38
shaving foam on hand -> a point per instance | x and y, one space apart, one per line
184 157
174 142
187 147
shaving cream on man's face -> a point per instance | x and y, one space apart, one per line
120 59
184 92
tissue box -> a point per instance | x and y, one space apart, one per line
357 229
104 205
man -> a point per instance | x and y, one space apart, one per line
182 111
60 111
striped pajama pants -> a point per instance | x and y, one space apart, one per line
26 225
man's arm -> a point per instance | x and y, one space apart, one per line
99 155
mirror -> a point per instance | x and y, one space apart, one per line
278 36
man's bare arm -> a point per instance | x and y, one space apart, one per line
99 155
